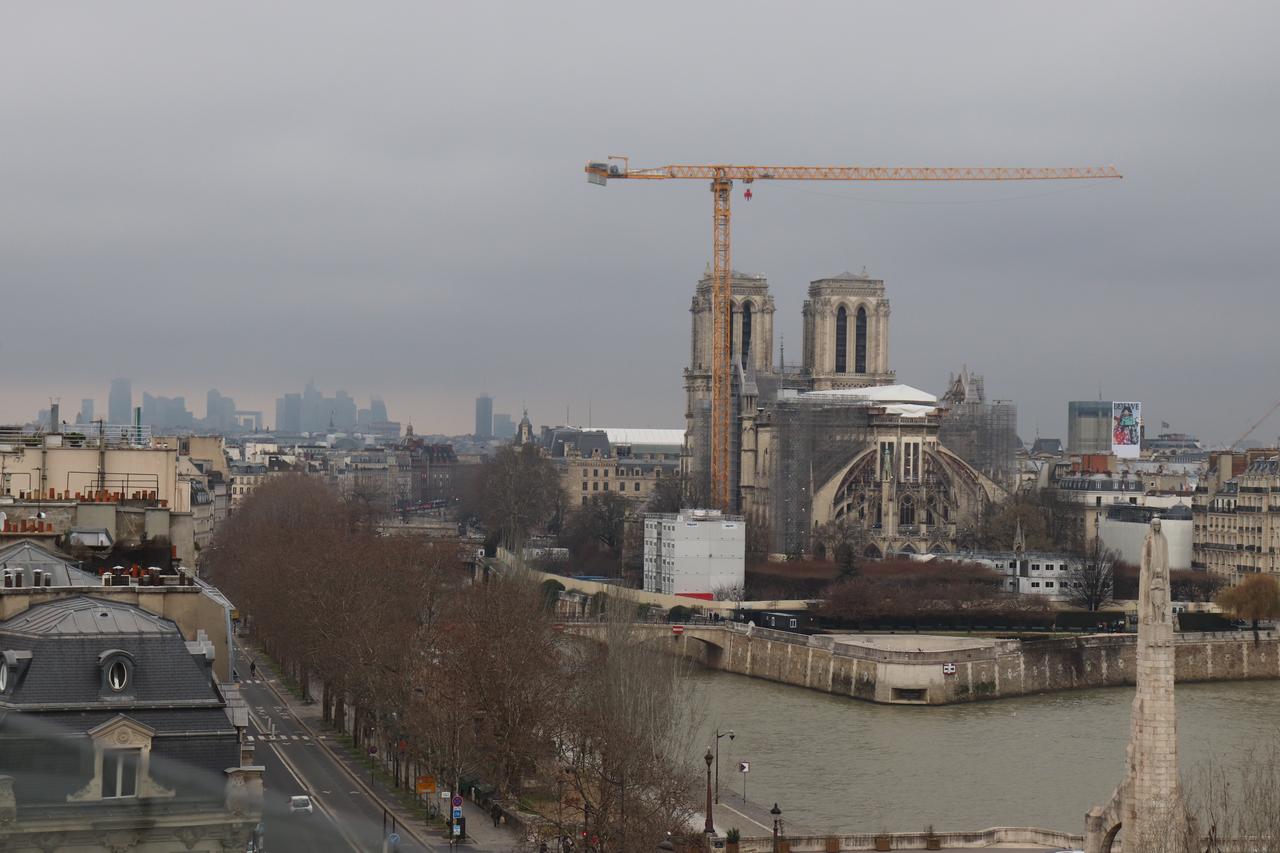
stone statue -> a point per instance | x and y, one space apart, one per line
1148 804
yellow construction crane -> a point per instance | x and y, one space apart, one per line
1239 441
722 178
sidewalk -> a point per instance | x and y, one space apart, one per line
751 819
482 835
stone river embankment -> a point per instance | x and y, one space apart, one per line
937 670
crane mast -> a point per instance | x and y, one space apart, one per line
722 178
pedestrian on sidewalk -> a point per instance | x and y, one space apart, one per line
253 669
496 814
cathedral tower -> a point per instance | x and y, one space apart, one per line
751 338
846 332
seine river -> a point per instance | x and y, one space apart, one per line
842 764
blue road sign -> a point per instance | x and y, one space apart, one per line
457 812
393 838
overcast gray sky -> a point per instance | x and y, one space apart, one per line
389 197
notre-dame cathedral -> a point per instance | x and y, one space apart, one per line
833 438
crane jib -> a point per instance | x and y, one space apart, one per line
722 177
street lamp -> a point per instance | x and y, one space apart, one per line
777 822
720 734
710 827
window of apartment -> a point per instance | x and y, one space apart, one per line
595 487
1036 584
584 497
606 486
595 472
584 485
120 773
1035 567
1048 584
637 487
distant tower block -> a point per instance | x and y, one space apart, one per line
1147 806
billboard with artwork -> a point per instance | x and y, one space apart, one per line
1126 429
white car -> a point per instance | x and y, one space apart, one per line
300 804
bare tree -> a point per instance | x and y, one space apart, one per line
1237 804
1093 576
734 592
519 491
626 747
842 541
598 524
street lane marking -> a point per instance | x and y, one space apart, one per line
297 777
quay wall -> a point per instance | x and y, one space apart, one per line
1006 836
943 677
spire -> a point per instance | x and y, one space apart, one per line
1019 540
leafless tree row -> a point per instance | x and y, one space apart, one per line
467 682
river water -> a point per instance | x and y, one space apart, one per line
835 764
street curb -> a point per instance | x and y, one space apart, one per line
356 777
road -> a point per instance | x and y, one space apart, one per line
345 819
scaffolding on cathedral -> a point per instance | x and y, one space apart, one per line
981 432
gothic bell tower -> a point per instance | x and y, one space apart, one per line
846 332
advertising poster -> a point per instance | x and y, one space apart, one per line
1126 430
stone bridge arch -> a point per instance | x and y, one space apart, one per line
703 644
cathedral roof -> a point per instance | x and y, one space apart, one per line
898 399
880 394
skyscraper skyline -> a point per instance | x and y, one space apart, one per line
120 401
484 417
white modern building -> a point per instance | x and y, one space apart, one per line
1049 575
695 552
1124 529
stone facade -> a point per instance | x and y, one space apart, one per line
1236 517
846 332
832 440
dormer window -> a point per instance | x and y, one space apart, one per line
117 676
117 671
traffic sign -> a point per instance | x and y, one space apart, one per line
948 669
457 828
426 784
393 838
457 802
457 812
677 629
744 766
444 795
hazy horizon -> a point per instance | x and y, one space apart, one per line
391 200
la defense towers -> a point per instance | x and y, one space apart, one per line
1148 804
